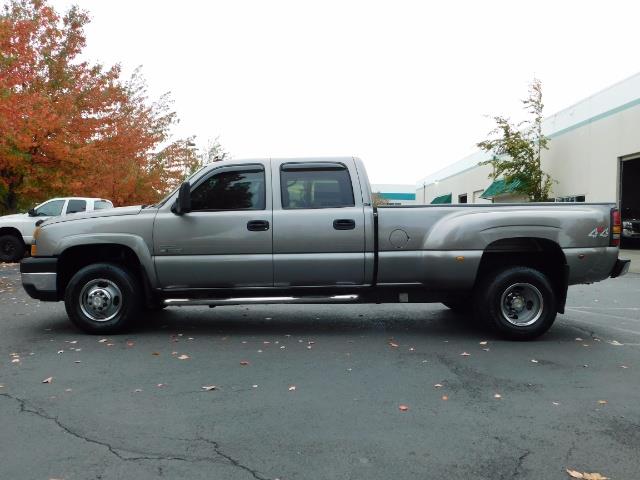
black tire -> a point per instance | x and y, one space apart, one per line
103 280
518 302
12 248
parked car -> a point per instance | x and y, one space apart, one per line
631 227
16 231
305 231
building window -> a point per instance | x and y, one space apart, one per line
571 198
462 198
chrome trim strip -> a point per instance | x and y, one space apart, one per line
42 281
260 300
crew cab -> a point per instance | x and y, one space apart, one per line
16 231
305 231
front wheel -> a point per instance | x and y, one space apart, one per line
103 298
12 248
518 302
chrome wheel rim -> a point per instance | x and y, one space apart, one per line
100 300
521 304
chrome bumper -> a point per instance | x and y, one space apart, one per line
39 278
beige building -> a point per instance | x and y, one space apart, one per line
594 155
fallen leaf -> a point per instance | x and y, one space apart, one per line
15 360
533 360
484 342
593 476
60 351
411 349
155 353
556 403
403 408
47 380
292 388
77 361
130 344
110 344
68 390
602 402
102 340
616 343
574 473
244 363
578 339
254 386
438 385
138 390
445 397
184 357
497 395
393 345
465 354
160 385
623 366
208 388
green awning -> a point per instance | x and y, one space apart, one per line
442 199
500 187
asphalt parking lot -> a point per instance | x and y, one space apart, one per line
319 392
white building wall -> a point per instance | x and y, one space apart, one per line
586 142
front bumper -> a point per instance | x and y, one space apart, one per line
620 268
40 278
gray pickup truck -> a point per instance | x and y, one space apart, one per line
305 231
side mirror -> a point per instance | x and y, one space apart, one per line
183 203
32 212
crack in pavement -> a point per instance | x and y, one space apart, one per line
521 459
216 448
25 408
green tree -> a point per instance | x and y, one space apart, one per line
517 148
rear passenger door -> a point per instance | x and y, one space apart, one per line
318 224
76 206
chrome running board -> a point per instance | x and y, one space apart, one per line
180 302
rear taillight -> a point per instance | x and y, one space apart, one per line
616 227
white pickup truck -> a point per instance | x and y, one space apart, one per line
16 231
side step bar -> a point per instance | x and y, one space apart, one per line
212 302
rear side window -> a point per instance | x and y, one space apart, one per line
102 204
50 209
75 206
231 190
321 187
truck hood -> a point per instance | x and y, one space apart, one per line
13 217
108 212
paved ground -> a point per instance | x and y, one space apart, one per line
634 256
128 407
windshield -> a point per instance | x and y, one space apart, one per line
188 179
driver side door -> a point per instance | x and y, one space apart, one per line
225 240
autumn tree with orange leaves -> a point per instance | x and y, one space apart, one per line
68 127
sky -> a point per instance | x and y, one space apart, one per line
405 85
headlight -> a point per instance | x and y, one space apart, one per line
626 225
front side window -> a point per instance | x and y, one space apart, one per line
50 209
328 187
231 190
75 206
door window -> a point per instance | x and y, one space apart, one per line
321 187
75 206
231 190
102 204
50 209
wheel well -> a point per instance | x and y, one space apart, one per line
539 253
12 231
75 258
